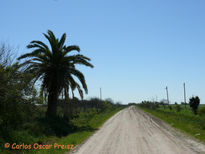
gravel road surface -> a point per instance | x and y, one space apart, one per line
132 131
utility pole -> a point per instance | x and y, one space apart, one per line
185 95
167 95
100 94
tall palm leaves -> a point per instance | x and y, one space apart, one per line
55 68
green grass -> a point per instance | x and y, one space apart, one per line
78 137
184 120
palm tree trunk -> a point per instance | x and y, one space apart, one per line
66 108
52 104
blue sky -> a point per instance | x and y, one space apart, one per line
138 47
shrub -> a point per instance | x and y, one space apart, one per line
82 119
20 137
149 105
178 108
194 103
56 126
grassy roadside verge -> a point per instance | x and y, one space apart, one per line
185 121
79 136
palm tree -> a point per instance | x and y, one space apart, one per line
55 68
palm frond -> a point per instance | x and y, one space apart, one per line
32 54
40 43
71 48
62 40
81 78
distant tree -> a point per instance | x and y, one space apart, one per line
6 55
55 68
194 103
163 102
132 104
170 107
109 100
178 107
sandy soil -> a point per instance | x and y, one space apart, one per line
132 131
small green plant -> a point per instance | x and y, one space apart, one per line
202 111
178 107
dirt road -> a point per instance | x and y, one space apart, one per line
132 131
